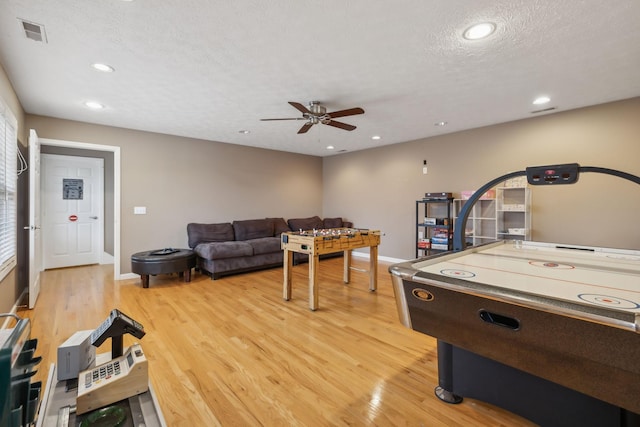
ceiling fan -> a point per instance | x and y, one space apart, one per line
317 113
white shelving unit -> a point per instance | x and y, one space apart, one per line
481 224
513 213
505 217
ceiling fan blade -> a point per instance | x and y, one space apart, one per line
300 107
305 128
348 112
340 125
296 118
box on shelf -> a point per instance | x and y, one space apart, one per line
439 240
436 221
438 196
516 230
517 182
424 244
488 195
513 207
440 232
439 247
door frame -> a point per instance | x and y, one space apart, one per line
116 188
34 241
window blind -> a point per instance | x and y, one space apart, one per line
8 186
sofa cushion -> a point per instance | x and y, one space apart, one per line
332 223
265 245
202 233
279 226
253 229
220 250
296 224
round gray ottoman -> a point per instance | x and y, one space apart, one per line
163 261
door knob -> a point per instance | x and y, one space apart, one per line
93 217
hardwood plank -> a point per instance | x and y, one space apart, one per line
232 352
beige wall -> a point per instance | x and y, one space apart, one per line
10 290
378 187
182 180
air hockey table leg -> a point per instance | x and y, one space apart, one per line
445 374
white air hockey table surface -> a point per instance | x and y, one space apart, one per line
597 276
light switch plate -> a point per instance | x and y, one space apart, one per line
139 210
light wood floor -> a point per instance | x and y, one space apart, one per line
232 352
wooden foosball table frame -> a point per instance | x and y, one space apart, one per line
319 242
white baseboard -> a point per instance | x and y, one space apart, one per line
127 276
380 258
14 309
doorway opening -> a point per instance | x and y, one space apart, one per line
111 154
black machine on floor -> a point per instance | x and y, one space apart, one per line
114 393
106 393
19 397
492 368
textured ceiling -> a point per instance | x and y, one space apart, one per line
208 69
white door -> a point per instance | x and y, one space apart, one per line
72 192
35 245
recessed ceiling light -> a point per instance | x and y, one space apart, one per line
479 31
94 105
244 131
440 124
103 67
330 147
541 100
376 137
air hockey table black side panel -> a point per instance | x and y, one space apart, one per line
543 402
591 358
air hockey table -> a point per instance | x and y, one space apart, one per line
548 331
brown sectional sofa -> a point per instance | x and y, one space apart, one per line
241 246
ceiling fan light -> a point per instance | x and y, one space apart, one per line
103 67
94 105
541 100
479 31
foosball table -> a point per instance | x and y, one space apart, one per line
325 241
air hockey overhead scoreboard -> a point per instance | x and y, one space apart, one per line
548 331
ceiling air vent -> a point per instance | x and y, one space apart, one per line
34 31
543 110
